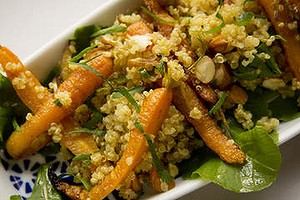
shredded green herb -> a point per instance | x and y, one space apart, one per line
245 18
154 16
217 28
57 102
131 91
162 65
15 124
219 103
129 97
97 132
96 118
85 183
162 172
80 55
109 30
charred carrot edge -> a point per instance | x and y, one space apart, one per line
186 100
80 84
152 114
280 19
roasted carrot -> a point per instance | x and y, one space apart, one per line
152 114
26 85
138 28
186 100
80 84
79 143
281 19
30 95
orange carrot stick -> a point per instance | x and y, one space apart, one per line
80 84
152 114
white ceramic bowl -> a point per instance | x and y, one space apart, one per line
19 181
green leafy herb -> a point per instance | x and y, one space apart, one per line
129 97
217 28
96 118
82 157
245 18
221 2
85 183
15 124
57 102
80 55
97 132
259 68
43 188
144 72
109 30
85 158
82 36
162 172
131 91
154 16
219 103
162 65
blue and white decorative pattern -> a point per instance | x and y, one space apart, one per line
21 173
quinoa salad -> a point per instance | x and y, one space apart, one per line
184 88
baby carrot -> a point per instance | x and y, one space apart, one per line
186 100
80 84
34 95
152 114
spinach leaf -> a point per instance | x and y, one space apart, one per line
43 188
285 109
257 104
263 102
258 68
260 170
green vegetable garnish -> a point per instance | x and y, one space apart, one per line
109 30
219 103
217 28
97 132
245 18
43 188
82 36
162 172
